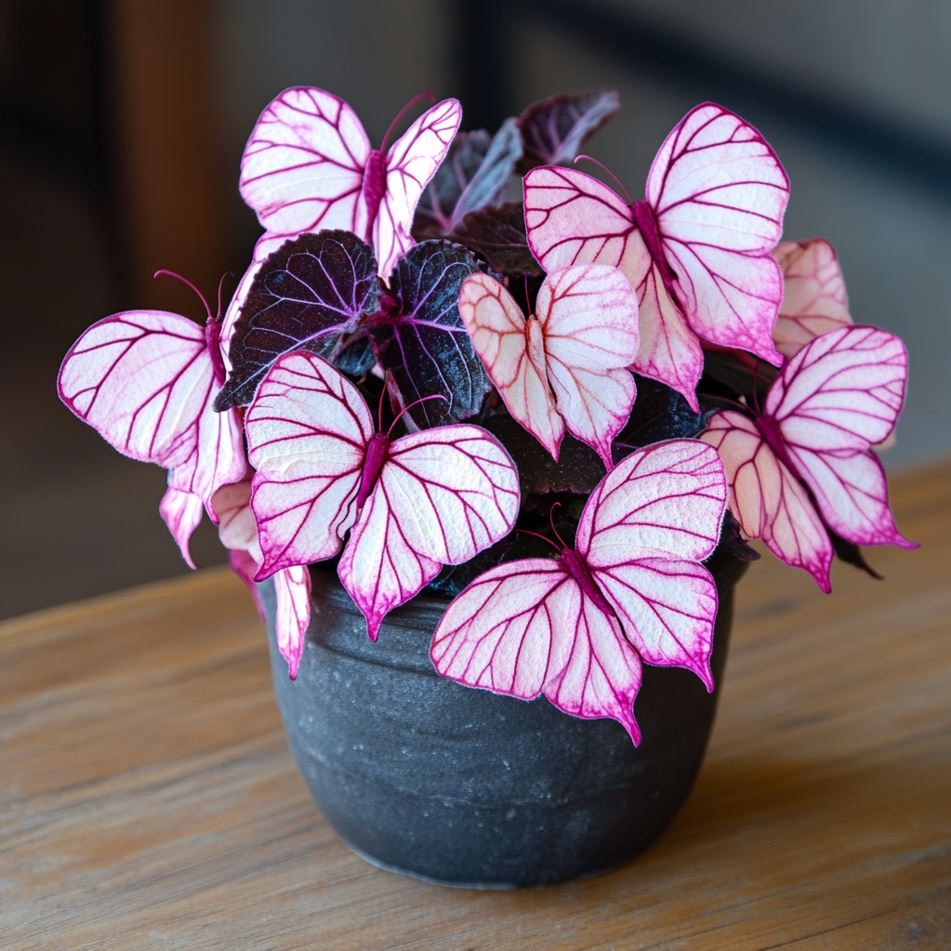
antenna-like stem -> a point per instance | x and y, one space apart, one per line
401 115
544 538
608 172
406 409
551 522
163 272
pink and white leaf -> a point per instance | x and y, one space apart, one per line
815 300
767 499
443 495
303 166
641 534
667 610
454 490
844 390
526 628
512 351
507 631
146 382
718 193
182 512
669 350
142 380
380 568
307 428
665 500
565 366
411 163
838 396
603 674
292 614
588 315
572 218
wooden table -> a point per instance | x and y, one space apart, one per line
148 800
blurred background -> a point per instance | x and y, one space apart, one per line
122 128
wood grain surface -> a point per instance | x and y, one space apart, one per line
147 799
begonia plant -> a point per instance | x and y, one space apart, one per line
435 370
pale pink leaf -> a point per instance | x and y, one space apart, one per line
815 301
303 166
146 382
588 315
454 488
507 631
292 613
603 672
442 496
380 568
565 365
838 396
845 390
718 193
308 429
667 609
576 629
411 163
142 380
181 511
767 499
431 498
572 218
664 500
641 534
512 351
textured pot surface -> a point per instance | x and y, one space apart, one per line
460 786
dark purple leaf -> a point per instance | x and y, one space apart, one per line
578 469
355 357
851 554
659 413
739 373
308 295
421 340
473 175
554 130
498 235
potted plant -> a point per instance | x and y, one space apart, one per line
475 419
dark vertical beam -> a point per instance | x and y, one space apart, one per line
485 57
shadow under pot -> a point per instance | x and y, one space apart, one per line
423 776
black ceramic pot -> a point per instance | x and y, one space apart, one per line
423 776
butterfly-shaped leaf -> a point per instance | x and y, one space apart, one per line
577 628
697 249
476 170
310 294
146 381
554 129
814 296
805 462
564 366
308 166
406 506
422 340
